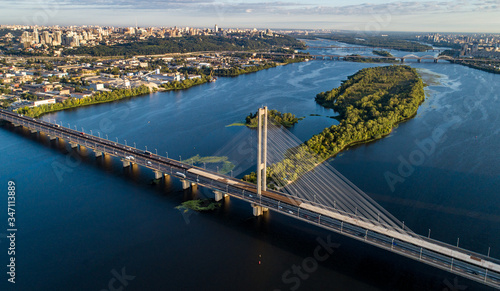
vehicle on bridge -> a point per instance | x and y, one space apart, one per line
179 174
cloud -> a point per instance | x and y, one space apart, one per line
274 7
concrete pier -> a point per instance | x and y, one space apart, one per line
158 175
126 163
258 210
98 154
185 184
220 195
53 137
73 145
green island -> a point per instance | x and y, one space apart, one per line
370 104
100 97
225 166
199 205
382 53
361 59
186 44
276 117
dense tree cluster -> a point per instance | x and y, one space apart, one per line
100 97
370 104
236 71
382 53
361 59
188 83
276 117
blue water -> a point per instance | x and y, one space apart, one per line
80 218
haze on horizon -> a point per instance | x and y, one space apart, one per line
377 15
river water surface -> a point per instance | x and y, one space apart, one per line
81 220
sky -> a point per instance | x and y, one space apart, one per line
360 15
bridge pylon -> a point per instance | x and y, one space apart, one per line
262 151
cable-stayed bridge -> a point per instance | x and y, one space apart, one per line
321 196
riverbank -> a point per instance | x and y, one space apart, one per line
487 67
101 97
186 84
370 104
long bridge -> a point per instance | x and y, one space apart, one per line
402 59
471 265
364 48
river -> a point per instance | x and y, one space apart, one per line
82 220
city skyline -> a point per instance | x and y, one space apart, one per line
378 15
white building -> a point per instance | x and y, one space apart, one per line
44 102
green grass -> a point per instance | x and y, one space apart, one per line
236 124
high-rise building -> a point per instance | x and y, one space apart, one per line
216 28
35 35
46 38
57 38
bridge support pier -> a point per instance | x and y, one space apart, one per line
219 195
73 145
33 130
98 154
258 210
126 163
158 175
16 124
53 137
185 184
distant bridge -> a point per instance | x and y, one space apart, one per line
368 223
364 48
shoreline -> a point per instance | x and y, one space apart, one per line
160 89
